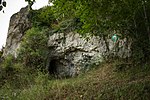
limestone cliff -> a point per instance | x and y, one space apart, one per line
69 53
19 23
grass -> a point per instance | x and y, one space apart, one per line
110 81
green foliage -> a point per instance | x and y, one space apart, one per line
23 79
9 69
130 18
67 25
100 84
33 51
8 62
101 15
42 17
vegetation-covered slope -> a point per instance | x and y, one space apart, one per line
110 81
25 78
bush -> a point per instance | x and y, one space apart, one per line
67 25
33 51
42 17
8 62
9 70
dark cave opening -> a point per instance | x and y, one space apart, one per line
52 68
60 68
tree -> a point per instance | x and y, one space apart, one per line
130 18
101 15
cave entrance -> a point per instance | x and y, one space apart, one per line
53 65
59 68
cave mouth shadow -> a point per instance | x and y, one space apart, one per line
56 68
52 68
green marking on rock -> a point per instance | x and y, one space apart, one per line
115 38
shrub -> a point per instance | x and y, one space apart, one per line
8 62
42 17
9 70
67 25
33 51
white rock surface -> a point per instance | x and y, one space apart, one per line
19 23
78 54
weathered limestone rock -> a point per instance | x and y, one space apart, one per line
19 23
71 54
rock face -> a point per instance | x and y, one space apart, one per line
19 23
71 54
